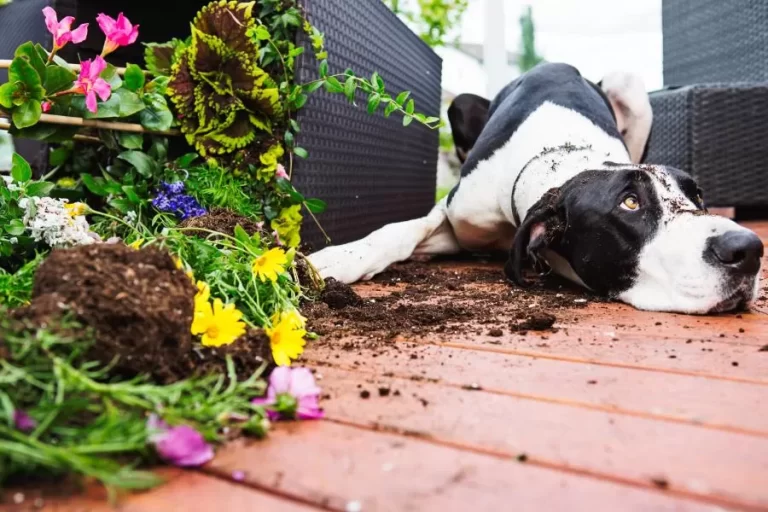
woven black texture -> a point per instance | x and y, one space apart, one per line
709 41
370 170
719 134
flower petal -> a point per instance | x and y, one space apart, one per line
51 20
303 383
80 33
280 380
309 408
98 65
184 446
102 88
90 101
106 23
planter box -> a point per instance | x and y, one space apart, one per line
370 170
718 134
709 41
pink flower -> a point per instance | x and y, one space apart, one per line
119 32
280 173
62 30
23 421
46 106
90 84
292 393
181 445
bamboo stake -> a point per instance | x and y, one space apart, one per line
103 125
5 125
6 63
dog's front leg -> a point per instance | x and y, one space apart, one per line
363 259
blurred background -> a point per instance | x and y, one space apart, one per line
487 43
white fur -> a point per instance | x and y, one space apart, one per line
634 116
672 273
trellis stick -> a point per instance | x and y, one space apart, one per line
5 125
6 63
103 125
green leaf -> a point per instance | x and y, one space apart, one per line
122 103
391 107
143 164
22 71
313 86
156 115
350 86
400 100
59 155
7 92
289 139
410 107
323 69
295 126
407 120
184 161
95 185
316 205
300 101
28 50
20 169
131 194
112 77
158 150
133 77
378 82
431 120
373 102
27 114
121 205
40 188
15 228
58 79
158 85
130 140
300 152
241 235
333 85
262 34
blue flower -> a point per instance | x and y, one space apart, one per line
171 199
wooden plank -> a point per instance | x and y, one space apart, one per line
722 405
704 463
343 468
187 491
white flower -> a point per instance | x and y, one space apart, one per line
130 217
13 240
49 220
9 183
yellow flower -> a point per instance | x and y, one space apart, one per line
270 264
220 325
202 297
136 244
293 317
286 338
177 261
288 224
76 209
66 183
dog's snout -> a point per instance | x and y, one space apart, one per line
738 250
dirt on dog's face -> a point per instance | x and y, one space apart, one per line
641 234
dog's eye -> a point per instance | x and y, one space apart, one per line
630 203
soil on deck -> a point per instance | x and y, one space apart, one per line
418 298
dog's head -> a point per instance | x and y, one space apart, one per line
641 234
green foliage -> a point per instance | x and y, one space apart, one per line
528 58
434 20
90 422
224 99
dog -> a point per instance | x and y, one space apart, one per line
552 173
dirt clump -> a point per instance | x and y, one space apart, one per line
338 295
537 321
222 221
137 305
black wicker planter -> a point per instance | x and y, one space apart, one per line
370 170
719 134
710 41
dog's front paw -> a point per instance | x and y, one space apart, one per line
345 263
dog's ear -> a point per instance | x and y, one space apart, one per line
468 115
544 225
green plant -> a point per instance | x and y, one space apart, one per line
435 20
528 58
89 422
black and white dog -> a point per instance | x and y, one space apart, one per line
552 173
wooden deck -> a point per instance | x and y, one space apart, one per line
612 419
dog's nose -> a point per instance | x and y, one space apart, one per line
739 250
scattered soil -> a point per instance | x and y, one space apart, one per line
763 349
139 308
222 221
421 298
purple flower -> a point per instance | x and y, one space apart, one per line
23 421
181 445
172 199
292 393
